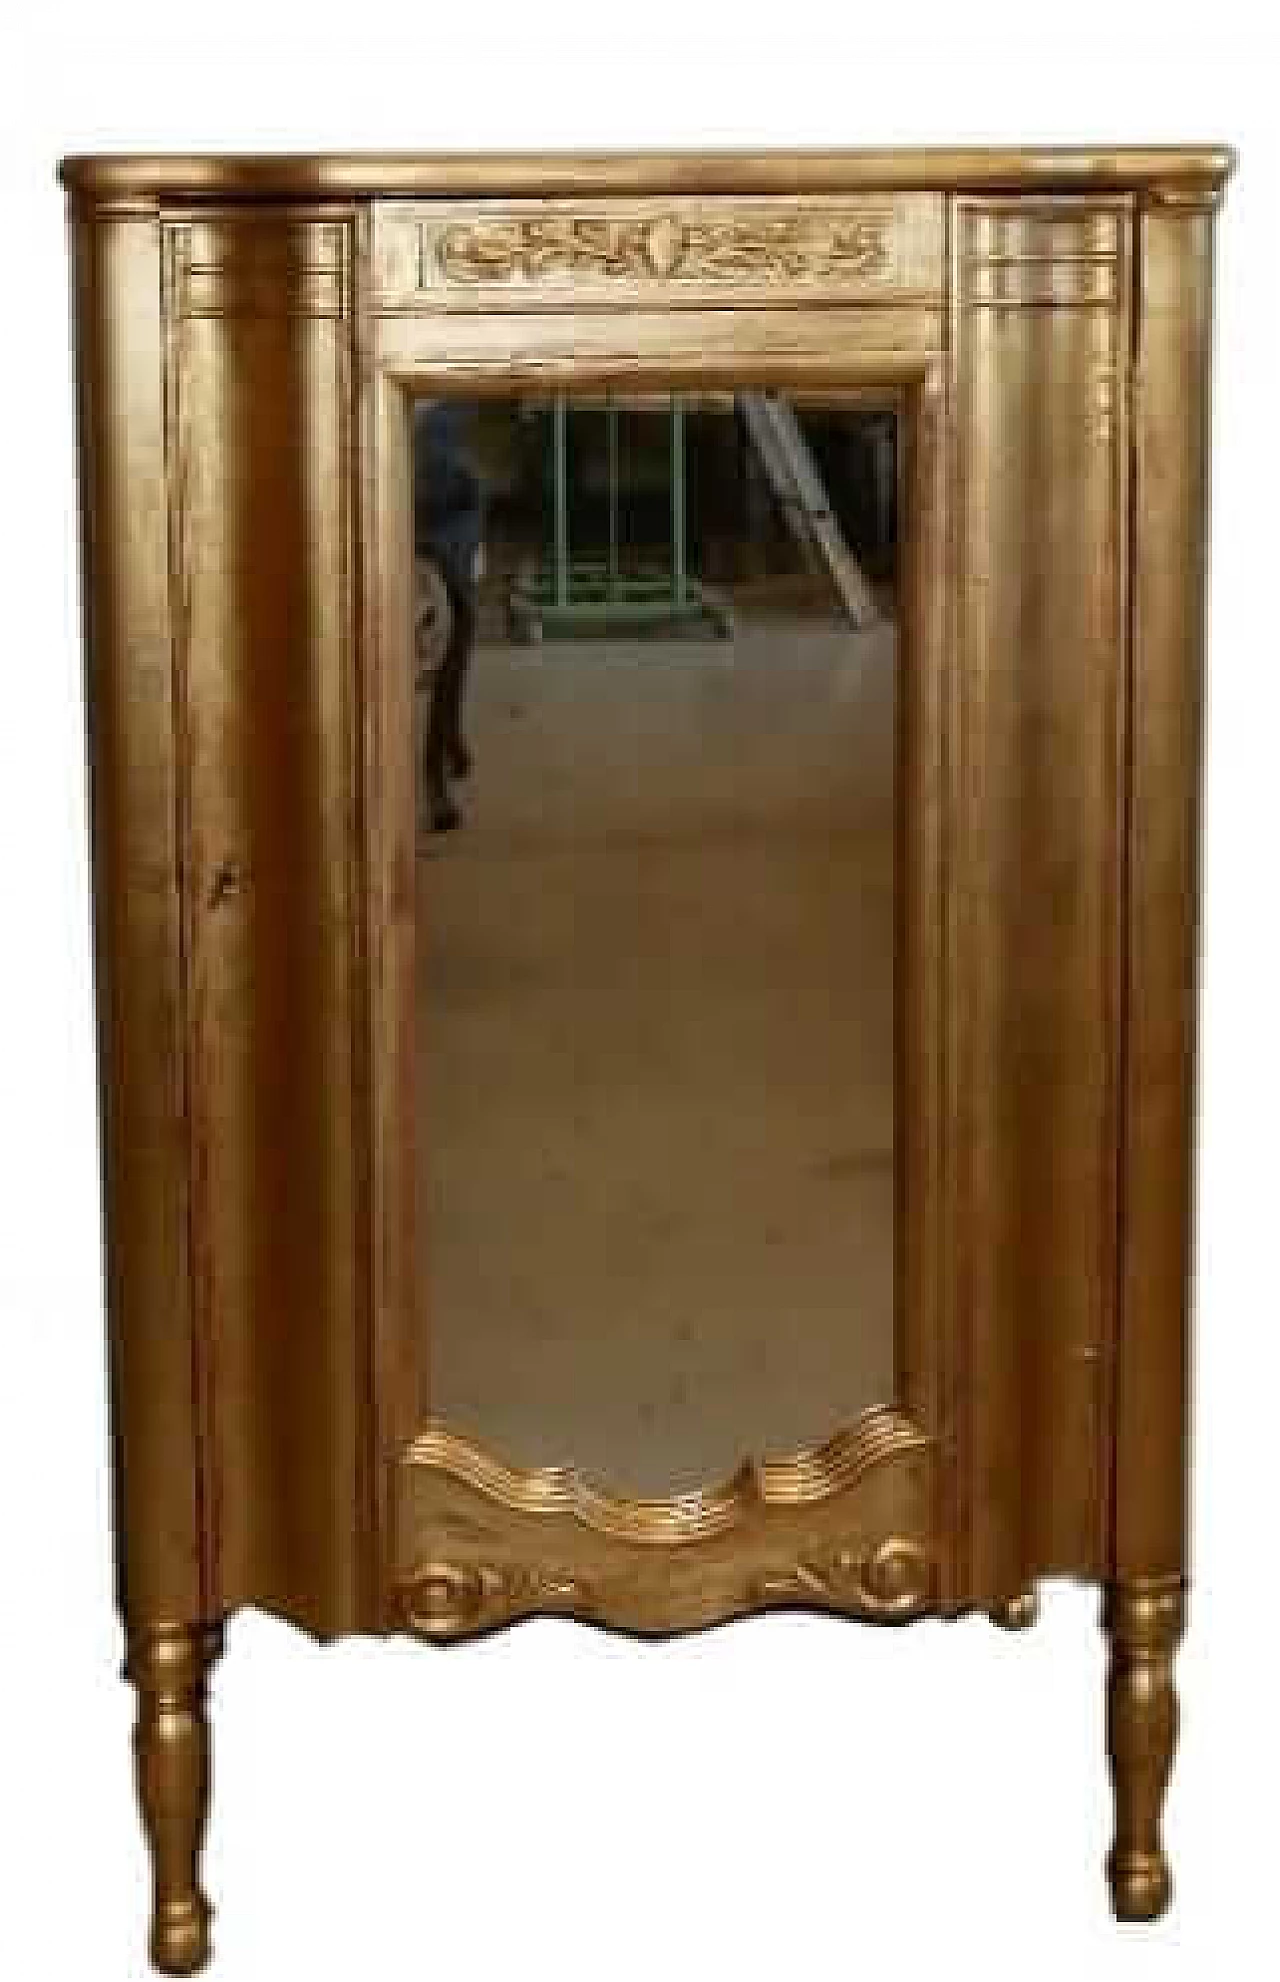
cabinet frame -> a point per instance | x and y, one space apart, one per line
248 334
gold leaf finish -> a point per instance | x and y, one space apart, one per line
249 334
812 1475
1145 1625
1041 341
505 255
169 1666
492 1543
1051 256
775 247
1162 172
1017 1613
297 269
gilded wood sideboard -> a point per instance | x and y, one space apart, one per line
250 333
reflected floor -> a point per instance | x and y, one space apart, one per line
656 1054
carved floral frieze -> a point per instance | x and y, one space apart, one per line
456 256
788 247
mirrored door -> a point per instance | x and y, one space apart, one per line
656 657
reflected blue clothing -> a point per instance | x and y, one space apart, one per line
448 501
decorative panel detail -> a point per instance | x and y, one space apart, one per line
1020 257
259 268
592 254
843 1527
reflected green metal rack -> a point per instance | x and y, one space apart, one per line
566 598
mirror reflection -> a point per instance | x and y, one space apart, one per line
655 655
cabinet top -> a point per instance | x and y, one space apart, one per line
141 180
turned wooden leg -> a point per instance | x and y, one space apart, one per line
1144 1624
1017 1613
169 1666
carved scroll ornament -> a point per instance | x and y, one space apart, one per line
887 1584
487 1543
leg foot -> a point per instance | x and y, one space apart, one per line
169 1665
1017 1613
1144 1624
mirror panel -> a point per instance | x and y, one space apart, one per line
656 659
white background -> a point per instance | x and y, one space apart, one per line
784 1797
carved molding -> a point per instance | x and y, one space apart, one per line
887 1583
1185 199
450 1599
843 1526
815 1474
507 254
1017 255
1107 386
890 1583
257 267
789 247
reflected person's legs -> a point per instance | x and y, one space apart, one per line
445 753
457 754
